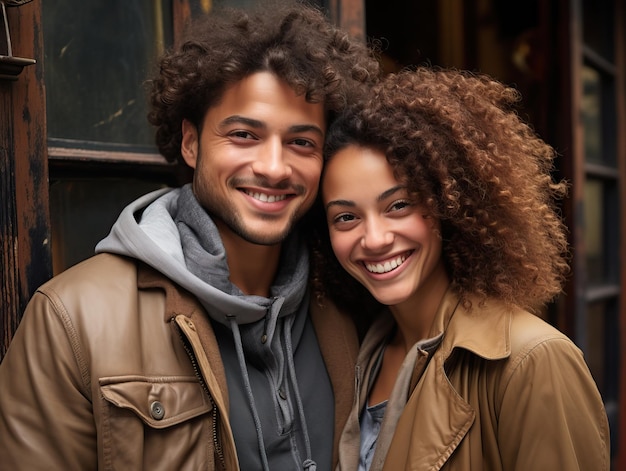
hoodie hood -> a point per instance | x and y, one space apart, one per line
169 230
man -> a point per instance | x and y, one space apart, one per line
186 342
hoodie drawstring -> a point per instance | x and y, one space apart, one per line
244 372
309 464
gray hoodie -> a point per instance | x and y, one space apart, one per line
280 420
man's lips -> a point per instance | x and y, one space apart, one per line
265 197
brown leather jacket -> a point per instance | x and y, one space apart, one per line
504 391
115 367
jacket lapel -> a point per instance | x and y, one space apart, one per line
433 423
436 418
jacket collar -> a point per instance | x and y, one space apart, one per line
177 299
180 302
434 405
484 330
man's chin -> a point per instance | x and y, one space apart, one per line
266 239
269 236
258 231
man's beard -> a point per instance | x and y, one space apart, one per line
234 222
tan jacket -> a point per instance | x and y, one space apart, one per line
115 368
503 391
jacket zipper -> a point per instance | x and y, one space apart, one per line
196 369
357 386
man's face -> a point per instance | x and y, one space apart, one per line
257 158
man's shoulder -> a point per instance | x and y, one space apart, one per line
97 269
103 288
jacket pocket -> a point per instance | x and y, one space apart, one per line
155 423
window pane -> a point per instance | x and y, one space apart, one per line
97 55
598 117
601 232
594 222
591 108
598 26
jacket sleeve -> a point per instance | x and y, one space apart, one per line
46 415
552 415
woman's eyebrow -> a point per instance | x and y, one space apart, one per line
387 193
348 203
383 196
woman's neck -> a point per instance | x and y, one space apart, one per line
415 316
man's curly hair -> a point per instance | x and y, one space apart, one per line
296 42
457 143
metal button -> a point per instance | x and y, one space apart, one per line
157 410
282 395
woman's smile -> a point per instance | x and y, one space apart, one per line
386 266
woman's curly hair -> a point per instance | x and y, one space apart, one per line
294 41
454 139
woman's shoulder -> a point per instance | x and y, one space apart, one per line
495 330
528 331
541 350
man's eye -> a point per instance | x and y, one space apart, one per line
242 135
302 142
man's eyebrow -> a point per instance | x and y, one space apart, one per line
238 119
257 124
302 128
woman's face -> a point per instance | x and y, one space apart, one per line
378 235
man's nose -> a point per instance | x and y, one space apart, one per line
272 161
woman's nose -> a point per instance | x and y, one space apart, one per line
377 236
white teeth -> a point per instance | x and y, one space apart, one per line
387 266
265 197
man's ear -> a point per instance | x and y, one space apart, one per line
189 143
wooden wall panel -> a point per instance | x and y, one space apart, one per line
620 54
25 258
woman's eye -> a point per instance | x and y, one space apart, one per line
398 205
343 218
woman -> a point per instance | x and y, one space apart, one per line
439 201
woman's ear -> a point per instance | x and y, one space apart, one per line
189 143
